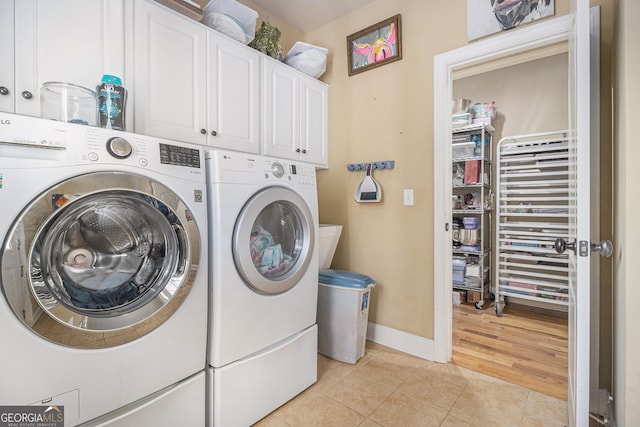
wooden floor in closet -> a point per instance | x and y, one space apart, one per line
525 346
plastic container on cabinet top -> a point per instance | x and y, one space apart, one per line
232 19
307 58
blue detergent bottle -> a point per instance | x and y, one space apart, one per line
112 100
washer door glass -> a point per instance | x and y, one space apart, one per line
273 240
110 257
106 255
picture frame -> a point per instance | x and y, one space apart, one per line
374 46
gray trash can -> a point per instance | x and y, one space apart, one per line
343 313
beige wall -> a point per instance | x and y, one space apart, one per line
530 97
627 230
387 114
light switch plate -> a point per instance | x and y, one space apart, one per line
408 197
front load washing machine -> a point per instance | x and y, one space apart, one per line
103 256
263 276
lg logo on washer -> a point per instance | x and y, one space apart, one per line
5 122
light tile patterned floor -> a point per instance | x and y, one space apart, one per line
389 388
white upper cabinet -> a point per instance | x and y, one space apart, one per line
71 41
233 95
280 110
294 114
170 74
7 87
314 116
193 84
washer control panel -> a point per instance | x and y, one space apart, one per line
105 146
179 156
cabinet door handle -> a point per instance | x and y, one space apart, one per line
26 94
304 151
203 131
297 150
214 133
4 90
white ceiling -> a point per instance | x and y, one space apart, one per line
307 15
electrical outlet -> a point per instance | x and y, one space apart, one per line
408 197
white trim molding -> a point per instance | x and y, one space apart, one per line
400 340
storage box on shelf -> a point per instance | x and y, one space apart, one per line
471 198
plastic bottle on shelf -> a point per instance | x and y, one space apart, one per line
112 100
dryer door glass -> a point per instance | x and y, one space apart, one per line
108 257
273 240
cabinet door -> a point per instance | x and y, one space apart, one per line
314 121
233 74
280 110
7 91
170 74
72 41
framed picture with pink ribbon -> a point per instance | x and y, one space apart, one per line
376 45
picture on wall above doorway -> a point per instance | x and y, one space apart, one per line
376 45
485 17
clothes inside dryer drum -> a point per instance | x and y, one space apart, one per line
106 253
273 240
276 239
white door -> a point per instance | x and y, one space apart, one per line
233 98
170 67
280 110
314 104
74 41
581 93
7 55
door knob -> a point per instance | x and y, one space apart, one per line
605 248
561 245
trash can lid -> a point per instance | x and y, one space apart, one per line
347 279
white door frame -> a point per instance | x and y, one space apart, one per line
525 39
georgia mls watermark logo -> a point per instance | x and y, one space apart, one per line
31 416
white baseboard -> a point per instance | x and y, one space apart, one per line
400 340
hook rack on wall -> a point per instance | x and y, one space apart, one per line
356 167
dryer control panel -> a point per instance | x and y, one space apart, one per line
295 173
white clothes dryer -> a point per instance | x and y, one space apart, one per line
263 221
103 256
